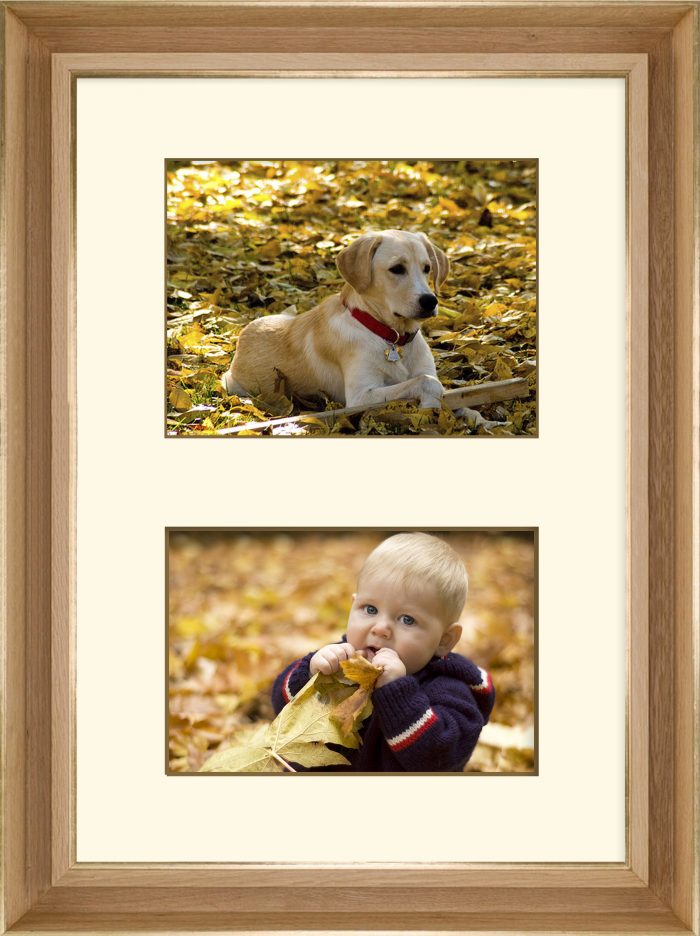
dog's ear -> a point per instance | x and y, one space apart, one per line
439 263
355 261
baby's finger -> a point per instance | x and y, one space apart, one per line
334 659
337 653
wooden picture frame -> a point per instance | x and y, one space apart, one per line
47 45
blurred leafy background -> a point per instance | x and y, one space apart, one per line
255 237
242 605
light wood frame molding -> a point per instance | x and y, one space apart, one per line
47 45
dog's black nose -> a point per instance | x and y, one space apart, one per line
427 303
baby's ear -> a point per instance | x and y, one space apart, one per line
450 638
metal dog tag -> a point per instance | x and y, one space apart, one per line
392 353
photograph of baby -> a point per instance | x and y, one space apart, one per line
351 298
351 650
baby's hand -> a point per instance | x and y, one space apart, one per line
390 662
327 659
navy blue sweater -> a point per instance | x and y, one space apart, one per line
429 721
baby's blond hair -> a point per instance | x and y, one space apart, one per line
416 558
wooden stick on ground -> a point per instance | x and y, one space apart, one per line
478 395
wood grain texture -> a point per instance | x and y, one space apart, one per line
373 877
686 876
63 466
39 679
329 902
662 611
318 38
638 466
343 63
382 923
47 44
16 884
46 18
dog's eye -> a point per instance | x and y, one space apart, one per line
398 269
426 268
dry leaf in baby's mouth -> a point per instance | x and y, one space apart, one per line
358 706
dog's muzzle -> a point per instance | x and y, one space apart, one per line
427 305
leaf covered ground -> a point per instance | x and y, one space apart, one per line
244 605
251 238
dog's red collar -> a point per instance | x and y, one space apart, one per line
379 328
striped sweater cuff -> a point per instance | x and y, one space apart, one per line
404 711
485 685
414 731
296 677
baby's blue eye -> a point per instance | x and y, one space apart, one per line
370 609
407 619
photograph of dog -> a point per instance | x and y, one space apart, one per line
362 345
351 297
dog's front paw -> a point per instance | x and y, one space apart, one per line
231 385
225 383
430 392
476 420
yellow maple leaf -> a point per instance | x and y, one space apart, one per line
301 732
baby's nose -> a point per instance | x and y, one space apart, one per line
381 626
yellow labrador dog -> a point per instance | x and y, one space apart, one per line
361 346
